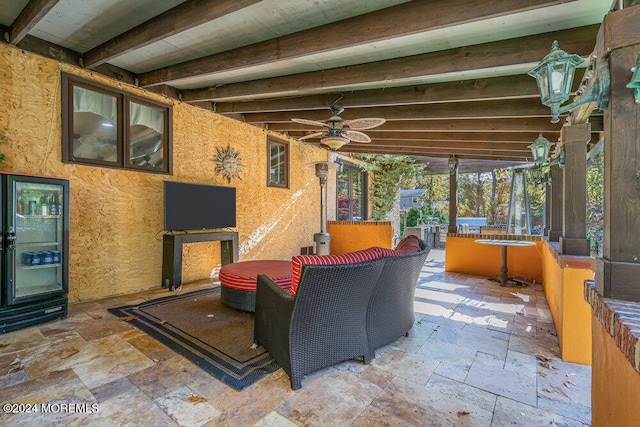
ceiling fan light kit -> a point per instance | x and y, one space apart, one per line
334 142
337 132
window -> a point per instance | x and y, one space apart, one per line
103 126
278 163
352 194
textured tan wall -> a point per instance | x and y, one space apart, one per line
117 215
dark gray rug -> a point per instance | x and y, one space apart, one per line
216 338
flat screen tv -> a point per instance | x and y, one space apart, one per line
196 206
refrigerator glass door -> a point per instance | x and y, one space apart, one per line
38 223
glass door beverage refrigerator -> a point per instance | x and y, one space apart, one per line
35 244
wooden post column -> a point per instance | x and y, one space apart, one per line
557 194
547 209
453 201
574 225
618 271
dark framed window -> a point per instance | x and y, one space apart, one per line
352 191
277 163
103 126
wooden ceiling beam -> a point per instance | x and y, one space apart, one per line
392 22
508 87
176 20
513 147
436 152
519 138
505 53
451 110
30 15
525 124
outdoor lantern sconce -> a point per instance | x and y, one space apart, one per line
554 75
558 157
338 161
540 150
453 165
537 174
635 81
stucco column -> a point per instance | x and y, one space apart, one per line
557 194
574 226
453 201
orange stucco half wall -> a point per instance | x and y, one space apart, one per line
563 279
464 255
349 236
615 385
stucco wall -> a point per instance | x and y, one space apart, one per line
117 215
615 385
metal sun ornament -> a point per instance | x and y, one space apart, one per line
228 163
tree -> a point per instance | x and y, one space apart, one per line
390 173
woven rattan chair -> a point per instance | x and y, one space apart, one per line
323 324
390 313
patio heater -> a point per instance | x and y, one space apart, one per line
322 240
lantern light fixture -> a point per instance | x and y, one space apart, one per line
554 75
537 174
635 81
453 165
540 149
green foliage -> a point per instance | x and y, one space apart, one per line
537 198
595 202
416 214
436 189
390 173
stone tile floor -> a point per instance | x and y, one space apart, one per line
479 355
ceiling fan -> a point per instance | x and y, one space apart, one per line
337 132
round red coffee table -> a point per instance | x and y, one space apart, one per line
238 281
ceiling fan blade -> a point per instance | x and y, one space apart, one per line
362 124
311 135
355 136
309 122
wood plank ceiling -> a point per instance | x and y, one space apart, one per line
448 76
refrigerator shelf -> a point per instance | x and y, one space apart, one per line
35 267
19 216
27 244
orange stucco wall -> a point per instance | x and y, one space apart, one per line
563 280
564 290
615 385
349 237
463 255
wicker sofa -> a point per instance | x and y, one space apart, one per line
339 311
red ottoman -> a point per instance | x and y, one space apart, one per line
238 281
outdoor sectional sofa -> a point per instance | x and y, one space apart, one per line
340 307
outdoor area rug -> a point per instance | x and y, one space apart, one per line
196 325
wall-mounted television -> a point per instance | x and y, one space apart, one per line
197 206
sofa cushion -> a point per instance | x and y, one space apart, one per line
299 261
409 245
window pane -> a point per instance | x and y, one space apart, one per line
356 195
95 125
343 195
146 136
276 169
277 163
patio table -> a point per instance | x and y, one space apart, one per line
503 277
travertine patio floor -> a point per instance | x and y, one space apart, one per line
479 355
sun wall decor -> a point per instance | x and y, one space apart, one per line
228 163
